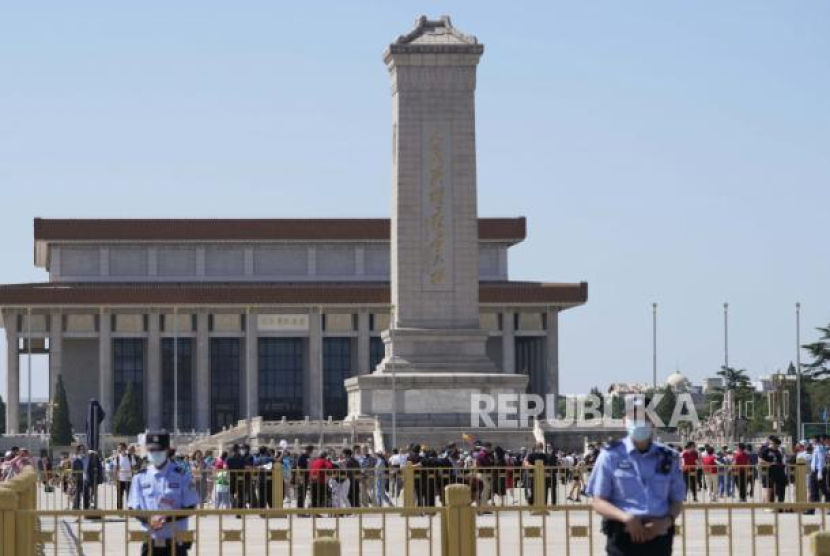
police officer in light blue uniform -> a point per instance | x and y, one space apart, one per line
638 489
160 486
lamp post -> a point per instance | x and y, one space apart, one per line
176 376
798 369
726 335
394 385
29 377
654 346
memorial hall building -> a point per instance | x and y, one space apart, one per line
269 316
246 318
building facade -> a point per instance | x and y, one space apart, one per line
242 318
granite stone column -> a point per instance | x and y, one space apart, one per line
363 340
55 354
508 343
202 372
552 353
315 363
12 375
251 366
105 376
155 399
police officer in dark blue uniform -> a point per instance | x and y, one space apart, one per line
161 486
638 489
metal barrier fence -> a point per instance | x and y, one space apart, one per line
408 486
457 528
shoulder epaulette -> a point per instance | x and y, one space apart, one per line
140 471
178 469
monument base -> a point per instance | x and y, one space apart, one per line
439 350
427 399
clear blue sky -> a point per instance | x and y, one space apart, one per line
663 151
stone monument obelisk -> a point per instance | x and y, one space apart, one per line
435 346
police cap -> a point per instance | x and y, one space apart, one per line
157 440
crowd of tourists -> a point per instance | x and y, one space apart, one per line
721 473
357 476
349 477
13 462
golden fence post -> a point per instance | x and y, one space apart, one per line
458 522
24 486
801 481
820 543
409 487
24 490
8 521
30 483
277 486
540 495
326 546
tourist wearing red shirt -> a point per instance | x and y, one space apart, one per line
319 472
741 463
710 473
691 459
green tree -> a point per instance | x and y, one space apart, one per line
665 408
129 417
735 379
618 407
595 391
820 352
60 431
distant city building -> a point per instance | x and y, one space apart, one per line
766 383
676 381
628 388
712 384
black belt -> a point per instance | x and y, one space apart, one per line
613 528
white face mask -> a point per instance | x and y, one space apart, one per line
243 452
157 459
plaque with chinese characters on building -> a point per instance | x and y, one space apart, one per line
283 323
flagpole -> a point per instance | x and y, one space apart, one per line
726 335
798 430
175 376
654 346
29 378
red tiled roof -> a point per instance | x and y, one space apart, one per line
302 293
508 229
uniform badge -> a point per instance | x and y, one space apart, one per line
624 464
174 485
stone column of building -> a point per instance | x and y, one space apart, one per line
552 353
55 354
105 378
202 372
12 375
315 364
251 366
154 407
508 343
363 340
